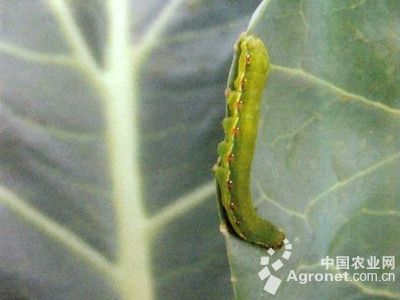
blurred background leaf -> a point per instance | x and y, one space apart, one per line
109 120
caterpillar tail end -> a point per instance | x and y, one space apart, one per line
278 239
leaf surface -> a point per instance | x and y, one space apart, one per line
326 168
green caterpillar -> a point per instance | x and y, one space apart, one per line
247 77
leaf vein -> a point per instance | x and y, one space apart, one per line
59 233
345 94
57 132
181 206
342 183
280 206
37 57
